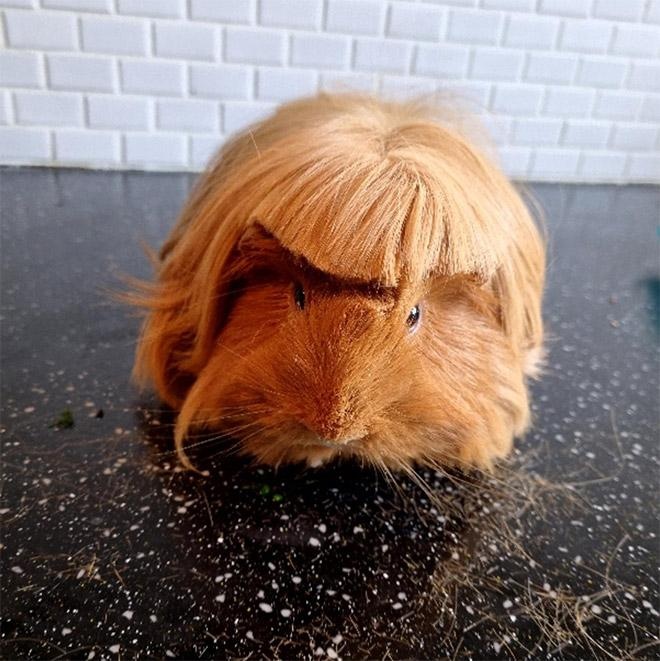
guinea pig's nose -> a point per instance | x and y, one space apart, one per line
334 415
335 429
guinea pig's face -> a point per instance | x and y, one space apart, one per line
308 368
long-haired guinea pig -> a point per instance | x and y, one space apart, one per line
350 278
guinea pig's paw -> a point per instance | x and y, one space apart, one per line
316 458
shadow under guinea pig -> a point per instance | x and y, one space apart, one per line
337 552
340 562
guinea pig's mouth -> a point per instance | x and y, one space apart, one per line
318 441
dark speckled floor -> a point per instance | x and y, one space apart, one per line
110 551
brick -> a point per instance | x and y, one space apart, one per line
202 149
603 165
220 82
120 36
414 21
120 112
496 64
48 108
98 6
381 55
531 31
21 4
516 100
155 150
568 102
406 87
86 147
554 164
589 133
347 81
26 145
457 3
653 12
474 27
19 69
237 116
651 109
151 77
578 8
634 137
355 16
515 160
292 14
78 72
509 5
601 73
634 40
617 105
41 30
255 46
537 132
187 115
185 40
442 61
323 51
284 84
542 68
223 11
645 77
473 94
5 109
156 8
497 127
644 167
586 36
630 10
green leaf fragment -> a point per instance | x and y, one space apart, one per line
64 420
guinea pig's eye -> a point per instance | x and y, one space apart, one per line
299 296
412 320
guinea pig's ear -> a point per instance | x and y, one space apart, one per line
258 245
259 251
518 286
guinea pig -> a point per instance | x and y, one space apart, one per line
350 278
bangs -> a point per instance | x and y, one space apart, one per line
381 211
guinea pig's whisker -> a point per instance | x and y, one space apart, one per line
390 477
227 451
206 441
421 483
251 409
195 445
233 429
237 446
204 420
225 432
466 483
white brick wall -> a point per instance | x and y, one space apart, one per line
568 89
